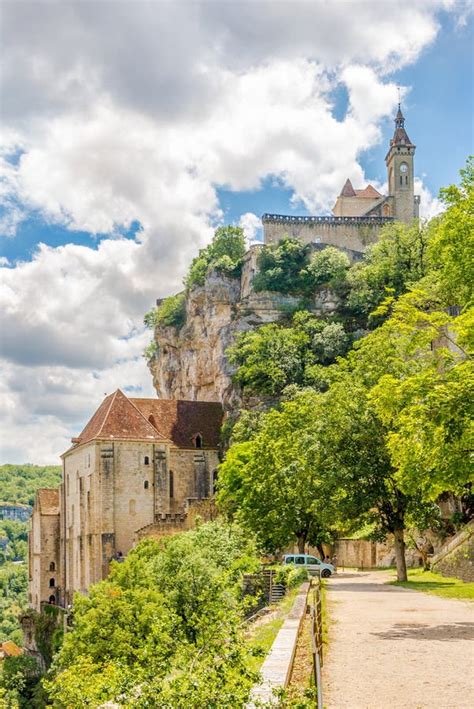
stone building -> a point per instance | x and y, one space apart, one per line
138 466
358 214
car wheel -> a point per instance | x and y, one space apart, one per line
325 573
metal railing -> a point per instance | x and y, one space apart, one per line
317 641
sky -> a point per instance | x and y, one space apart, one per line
130 130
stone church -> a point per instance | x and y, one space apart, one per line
140 467
358 214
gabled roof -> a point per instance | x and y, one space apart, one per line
348 190
47 500
180 421
368 192
117 417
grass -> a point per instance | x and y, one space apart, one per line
430 582
262 634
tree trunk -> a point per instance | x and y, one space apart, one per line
399 543
301 542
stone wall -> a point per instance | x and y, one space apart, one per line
352 233
456 558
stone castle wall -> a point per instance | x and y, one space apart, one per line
353 234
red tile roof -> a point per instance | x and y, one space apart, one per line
48 501
180 421
119 417
368 193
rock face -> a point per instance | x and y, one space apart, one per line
191 362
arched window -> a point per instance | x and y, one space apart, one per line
146 484
146 460
52 566
198 441
171 485
214 482
51 583
52 600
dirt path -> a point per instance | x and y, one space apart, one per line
390 647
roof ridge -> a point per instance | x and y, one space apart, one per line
145 418
108 410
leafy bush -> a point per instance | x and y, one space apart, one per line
164 629
225 253
328 268
290 575
282 267
274 356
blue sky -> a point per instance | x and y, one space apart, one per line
118 158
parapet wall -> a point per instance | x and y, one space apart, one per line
353 234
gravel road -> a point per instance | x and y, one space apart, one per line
390 647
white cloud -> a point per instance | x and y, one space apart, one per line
252 226
139 113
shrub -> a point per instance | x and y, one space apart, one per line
282 267
328 268
225 253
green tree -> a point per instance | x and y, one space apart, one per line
276 356
283 267
163 629
329 268
399 259
225 253
273 483
451 249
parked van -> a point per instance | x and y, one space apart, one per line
315 566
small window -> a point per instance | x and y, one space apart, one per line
300 560
313 560
146 460
88 498
52 600
52 566
171 478
290 560
146 484
51 583
214 482
401 180
198 441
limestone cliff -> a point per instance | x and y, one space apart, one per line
191 362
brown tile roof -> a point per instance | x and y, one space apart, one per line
180 421
10 649
348 190
48 501
119 417
368 192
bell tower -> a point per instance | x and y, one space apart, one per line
400 171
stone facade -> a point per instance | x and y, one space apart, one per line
358 214
456 557
123 474
44 549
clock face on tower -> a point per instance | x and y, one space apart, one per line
403 167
